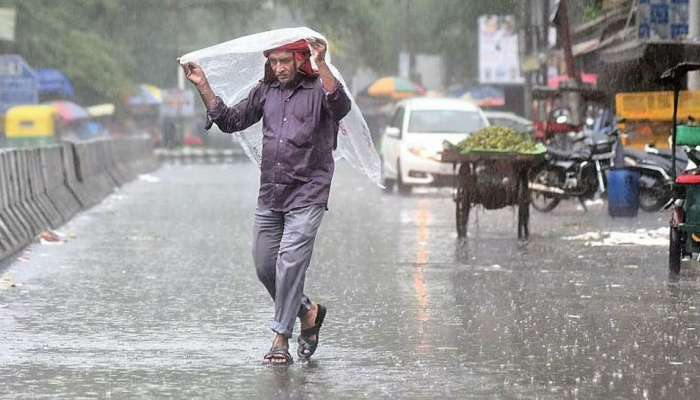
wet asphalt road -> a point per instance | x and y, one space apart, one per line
155 295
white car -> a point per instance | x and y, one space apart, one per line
509 120
413 140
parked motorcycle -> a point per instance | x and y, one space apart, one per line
654 165
575 168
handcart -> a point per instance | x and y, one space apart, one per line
493 180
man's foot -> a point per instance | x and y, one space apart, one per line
279 352
309 319
308 338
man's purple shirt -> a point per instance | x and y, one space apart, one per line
300 128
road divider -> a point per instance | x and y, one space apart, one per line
44 187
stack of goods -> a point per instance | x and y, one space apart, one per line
500 139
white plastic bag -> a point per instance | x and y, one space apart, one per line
233 68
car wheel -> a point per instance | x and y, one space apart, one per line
403 188
387 182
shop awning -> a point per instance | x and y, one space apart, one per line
657 50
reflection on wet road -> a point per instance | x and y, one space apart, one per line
156 296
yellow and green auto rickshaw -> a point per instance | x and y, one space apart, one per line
30 125
685 217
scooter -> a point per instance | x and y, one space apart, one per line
655 182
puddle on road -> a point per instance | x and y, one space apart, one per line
149 178
640 237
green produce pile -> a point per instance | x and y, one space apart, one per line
500 139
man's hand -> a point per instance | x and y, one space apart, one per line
318 50
195 74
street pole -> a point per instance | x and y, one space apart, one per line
694 37
529 30
565 33
544 43
411 46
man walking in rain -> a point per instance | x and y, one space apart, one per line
300 110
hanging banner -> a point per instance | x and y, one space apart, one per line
8 16
499 60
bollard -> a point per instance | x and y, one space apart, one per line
28 200
22 200
70 163
104 157
113 167
39 189
100 171
14 222
10 232
22 227
54 174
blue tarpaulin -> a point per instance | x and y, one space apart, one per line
18 82
91 130
55 83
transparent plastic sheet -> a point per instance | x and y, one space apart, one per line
233 68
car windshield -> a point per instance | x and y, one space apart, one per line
444 121
509 123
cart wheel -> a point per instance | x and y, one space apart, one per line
674 251
462 208
676 242
523 209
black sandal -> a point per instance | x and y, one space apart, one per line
279 353
307 346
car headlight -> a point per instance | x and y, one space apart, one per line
422 152
630 162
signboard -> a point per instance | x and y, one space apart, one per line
177 103
663 19
8 16
498 50
18 83
657 106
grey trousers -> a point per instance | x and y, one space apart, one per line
282 247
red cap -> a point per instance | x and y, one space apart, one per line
302 56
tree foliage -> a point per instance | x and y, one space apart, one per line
378 30
105 46
52 37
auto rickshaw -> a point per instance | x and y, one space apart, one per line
684 235
30 125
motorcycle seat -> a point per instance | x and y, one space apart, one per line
557 154
688 180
